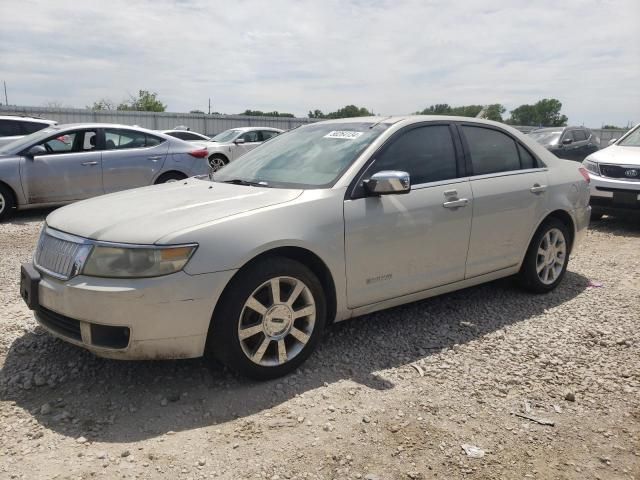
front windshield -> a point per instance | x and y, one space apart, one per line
631 140
24 142
546 137
226 136
307 157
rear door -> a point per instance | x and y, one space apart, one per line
70 170
132 158
509 198
401 244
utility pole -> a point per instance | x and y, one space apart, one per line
6 101
209 105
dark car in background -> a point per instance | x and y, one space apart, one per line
570 143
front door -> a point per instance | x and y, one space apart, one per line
509 193
131 158
251 140
401 244
69 170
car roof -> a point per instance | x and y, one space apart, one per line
27 118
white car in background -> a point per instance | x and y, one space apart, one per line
13 127
186 135
615 175
235 142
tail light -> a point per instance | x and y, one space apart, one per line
585 174
202 153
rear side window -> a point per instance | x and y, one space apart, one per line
426 153
579 135
526 159
32 127
491 151
9 128
119 139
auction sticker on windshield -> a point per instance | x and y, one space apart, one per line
346 134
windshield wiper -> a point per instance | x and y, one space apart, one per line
240 181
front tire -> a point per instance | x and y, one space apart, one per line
216 162
7 202
545 263
269 319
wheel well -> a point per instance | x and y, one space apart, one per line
169 174
14 197
219 155
311 261
565 218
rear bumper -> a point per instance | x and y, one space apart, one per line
581 217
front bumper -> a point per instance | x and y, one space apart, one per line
130 319
615 194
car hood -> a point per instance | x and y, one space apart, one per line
618 155
145 215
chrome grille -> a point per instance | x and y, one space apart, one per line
58 254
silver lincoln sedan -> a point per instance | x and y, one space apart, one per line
322 223
65 163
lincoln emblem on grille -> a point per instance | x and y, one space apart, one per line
632 172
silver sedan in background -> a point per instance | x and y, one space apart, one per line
65 163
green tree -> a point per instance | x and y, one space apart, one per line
259 113
344 112
102 104
197 111
490 112
544 113
146 101
612 127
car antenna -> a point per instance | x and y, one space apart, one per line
380 121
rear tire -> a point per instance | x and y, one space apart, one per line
7 202
269 319
216 162
545 263
170 177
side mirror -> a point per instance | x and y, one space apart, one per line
567 141
36 150
612 141
239 141
388 182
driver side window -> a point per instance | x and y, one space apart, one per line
251 136
73 142
426 153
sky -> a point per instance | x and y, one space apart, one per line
392 57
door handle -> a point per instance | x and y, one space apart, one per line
89 164
462 202
155 159
537 188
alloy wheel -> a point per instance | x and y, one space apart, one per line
277 321
551 257
216 163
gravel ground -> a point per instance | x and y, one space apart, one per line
533 386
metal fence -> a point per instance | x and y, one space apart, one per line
198 122
207 124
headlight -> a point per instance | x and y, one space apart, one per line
591 166
136 262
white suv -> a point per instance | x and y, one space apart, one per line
615 175
13 127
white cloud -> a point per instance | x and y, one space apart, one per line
390 56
